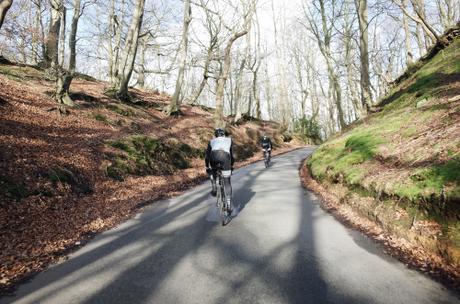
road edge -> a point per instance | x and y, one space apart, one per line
394 246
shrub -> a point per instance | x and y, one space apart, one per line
308 129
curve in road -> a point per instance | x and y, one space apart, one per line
280 248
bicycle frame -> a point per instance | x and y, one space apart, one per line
266 158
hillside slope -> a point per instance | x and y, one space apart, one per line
65 177
400 167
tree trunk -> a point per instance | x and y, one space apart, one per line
409 54
42 31
350 82
313 89
366 95
325 48
210 51
219 113
52 41
238 88
283 94
111 34
421 46
255 70
65 77
117 28
4 7
268 92
38 35
431 35
300 80
141 72
174 106
128 57
420 19
255 92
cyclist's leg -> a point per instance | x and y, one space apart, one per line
226 174
213 177
228 191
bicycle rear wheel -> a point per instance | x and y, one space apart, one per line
224 208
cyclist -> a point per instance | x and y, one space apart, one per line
267 145
219 154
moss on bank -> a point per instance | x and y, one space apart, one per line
405 158
143 155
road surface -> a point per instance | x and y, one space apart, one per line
280 248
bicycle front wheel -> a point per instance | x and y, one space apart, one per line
223 207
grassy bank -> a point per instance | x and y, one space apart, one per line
400 167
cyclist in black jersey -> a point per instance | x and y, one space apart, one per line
267 145
219 155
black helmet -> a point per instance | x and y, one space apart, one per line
219 132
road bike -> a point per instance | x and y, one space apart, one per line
222 205
266 158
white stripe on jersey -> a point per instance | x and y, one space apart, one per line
221 143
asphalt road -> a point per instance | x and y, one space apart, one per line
280 248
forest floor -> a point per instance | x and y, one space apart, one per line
399 168
64 178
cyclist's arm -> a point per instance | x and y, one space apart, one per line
207 155
231 154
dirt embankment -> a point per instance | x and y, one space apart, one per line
64 178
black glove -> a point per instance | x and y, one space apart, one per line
208 170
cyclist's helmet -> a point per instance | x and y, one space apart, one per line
219 132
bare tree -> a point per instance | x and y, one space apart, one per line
128 56
405 23
366 95
38 36
219 113
65 76
213 31
254 67
174 106
52 41
419 17
115 33
282 80
448 12
322 30
239 83
348 37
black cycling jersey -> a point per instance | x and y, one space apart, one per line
220 153
266 143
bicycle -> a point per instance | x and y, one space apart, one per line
224 209
266 158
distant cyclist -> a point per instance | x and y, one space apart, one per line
267 145
219 155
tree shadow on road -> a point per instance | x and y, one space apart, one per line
112 241
152 249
